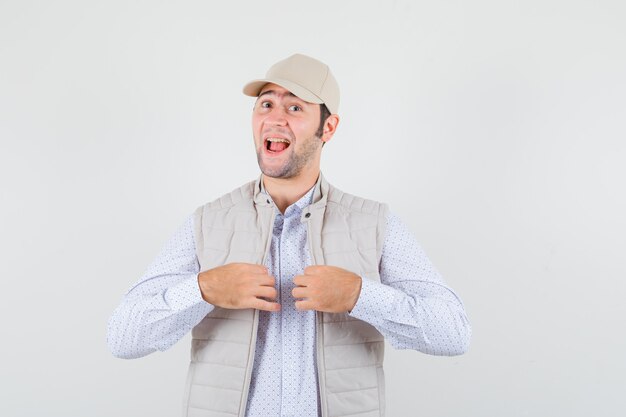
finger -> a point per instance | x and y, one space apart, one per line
309 270
301 280
266 280
299 292
265 305
305 305
267 292
315 269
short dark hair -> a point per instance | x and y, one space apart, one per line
324 113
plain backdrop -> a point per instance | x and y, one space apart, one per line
494 129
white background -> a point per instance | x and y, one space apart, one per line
495 129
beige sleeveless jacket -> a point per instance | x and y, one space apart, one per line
342 230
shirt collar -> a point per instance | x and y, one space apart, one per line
318 199
303 202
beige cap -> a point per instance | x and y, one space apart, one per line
306 77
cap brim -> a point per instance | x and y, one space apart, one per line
253 88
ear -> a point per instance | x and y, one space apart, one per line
330 126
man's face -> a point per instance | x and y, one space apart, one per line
284 129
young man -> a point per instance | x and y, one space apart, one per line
288 284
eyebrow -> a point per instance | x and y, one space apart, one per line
289 93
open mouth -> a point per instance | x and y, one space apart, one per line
276 145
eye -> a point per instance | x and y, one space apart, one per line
266 104
295 107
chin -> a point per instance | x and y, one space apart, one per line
277 172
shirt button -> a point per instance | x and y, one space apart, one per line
307 215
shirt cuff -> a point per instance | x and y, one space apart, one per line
374 303
186 294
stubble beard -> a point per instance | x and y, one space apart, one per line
296 162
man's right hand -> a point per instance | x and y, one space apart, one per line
239 285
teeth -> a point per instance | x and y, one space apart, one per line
277 140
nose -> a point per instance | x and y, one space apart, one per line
276 117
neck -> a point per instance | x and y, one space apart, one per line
286 191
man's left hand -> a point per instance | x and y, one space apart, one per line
326 288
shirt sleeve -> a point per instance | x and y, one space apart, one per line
412 306
164 304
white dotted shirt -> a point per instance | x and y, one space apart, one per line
411 306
